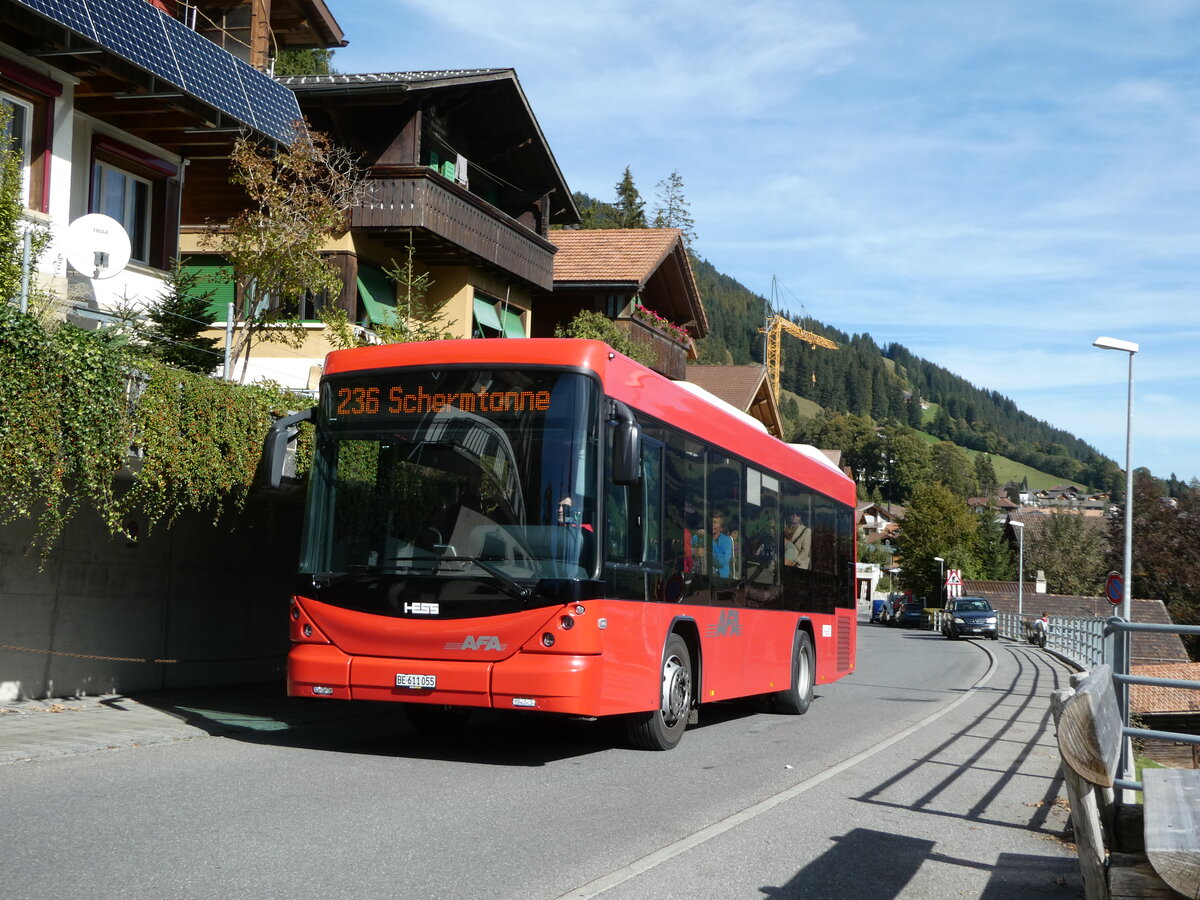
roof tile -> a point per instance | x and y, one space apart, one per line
619 255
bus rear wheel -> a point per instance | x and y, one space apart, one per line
662 728
796 700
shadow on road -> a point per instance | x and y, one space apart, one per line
262 714
865 865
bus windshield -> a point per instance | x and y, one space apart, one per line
487 475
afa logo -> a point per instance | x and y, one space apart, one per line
482 642
727 624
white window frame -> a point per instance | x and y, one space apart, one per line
23 138
139 244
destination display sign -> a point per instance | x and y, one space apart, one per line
395 400
491 395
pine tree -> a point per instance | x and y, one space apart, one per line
630 208
993 551
673 208
174 325
985 474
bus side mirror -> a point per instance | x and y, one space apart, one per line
280 434
627 453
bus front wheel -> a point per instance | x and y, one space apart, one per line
796 700
662 728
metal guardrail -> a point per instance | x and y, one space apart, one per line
1116 652
1088 641
1078 638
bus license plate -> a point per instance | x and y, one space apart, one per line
416 681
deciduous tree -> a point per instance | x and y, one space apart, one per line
952 467
298 197
936 523
1070 550
1166 549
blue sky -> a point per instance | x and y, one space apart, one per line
992 185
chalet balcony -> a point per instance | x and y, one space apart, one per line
670 355
449 222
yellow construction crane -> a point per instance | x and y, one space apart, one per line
776 326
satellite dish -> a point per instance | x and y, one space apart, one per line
97 246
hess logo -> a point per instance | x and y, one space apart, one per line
421 609
472 642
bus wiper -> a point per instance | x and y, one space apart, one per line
402 566
505 582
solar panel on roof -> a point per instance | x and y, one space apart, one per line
211 76
72 13
275 107
135 31
165 47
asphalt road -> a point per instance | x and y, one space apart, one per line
929 773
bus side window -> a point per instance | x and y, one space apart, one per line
652 501
725 481
621 520
618 525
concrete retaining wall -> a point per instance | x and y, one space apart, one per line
213 598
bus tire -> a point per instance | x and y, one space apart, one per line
662 728
796 700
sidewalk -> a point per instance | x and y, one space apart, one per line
40 729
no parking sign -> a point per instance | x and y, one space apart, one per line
1114 588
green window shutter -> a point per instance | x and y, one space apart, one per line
217 276
486 317
513 327
377 295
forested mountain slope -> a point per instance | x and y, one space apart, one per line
886 384
881 385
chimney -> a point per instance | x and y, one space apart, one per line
1041 582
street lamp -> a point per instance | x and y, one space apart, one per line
1108 343
941 579
1020 526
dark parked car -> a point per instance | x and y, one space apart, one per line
969 616
911 615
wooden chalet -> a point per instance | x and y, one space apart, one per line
112 104
456 167
253 30
638 277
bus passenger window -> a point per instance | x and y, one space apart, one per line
760 540
797 542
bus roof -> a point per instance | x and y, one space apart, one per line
677 403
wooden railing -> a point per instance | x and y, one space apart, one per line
417 198
670 356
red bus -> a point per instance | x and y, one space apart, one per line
547 525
